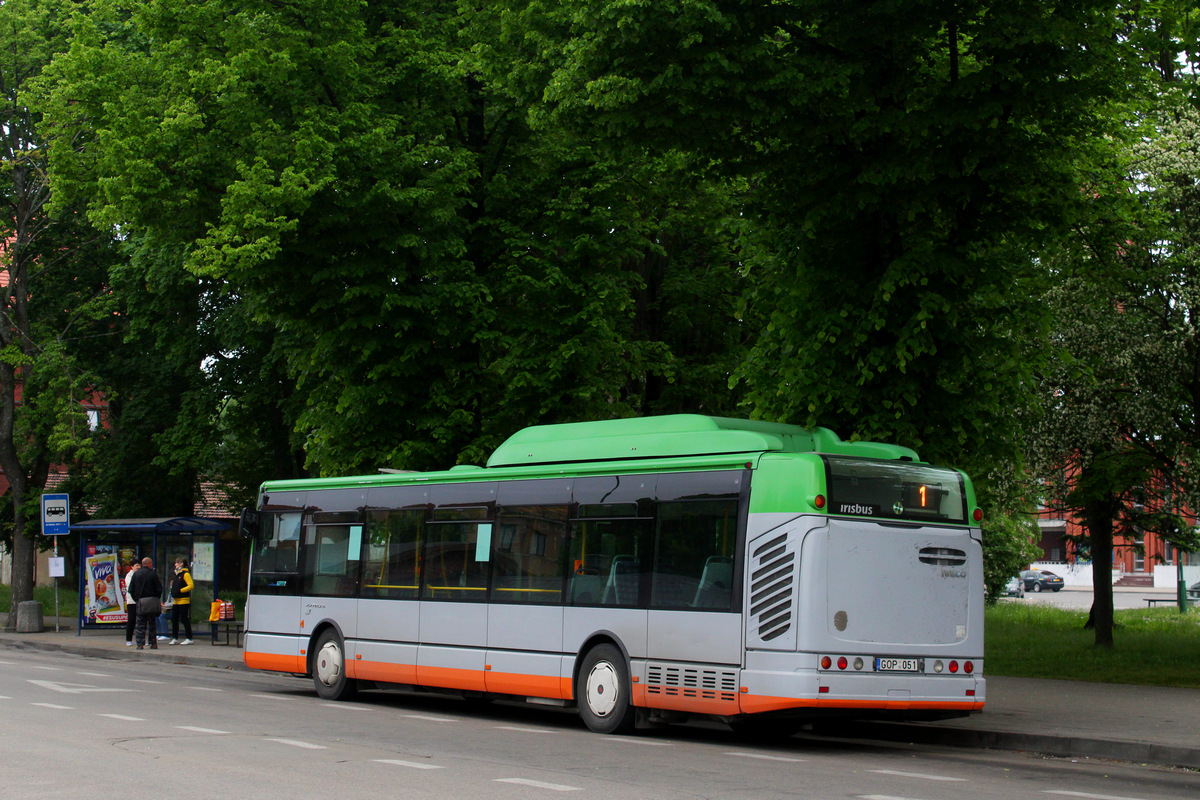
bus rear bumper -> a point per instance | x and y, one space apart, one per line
918 696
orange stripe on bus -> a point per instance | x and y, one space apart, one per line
451 678
755 704
656 697
382 671
528 685
274 662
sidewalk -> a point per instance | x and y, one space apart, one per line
1062 718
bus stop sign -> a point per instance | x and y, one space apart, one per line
56 514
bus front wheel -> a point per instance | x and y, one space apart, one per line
604 694
329 668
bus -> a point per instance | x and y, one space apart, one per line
643 571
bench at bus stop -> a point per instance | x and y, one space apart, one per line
227 632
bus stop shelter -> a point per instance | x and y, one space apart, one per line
107 548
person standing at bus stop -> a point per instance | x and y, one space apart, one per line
146 588
181 593
130 604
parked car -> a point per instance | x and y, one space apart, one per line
1015 587
1039 580
1193 591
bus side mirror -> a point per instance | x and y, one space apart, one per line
248 526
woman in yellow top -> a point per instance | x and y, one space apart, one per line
181 594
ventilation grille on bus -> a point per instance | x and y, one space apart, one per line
697 682
943 556
772 576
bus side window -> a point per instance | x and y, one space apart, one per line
693 558
609 560
530 554
275 567
393 544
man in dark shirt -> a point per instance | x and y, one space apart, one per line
146 583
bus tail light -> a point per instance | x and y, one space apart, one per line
953 666
819 501
968 667
857 663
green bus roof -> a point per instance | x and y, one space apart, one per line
673 436
642 444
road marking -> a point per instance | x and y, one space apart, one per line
345 707
427 719
1086 794
48 669
765 757
272 696
75 688
122 717
4 696
198 730
881 797
914 775
96 674
554 787
413 764
519 729
635 740
52 705
295 743
205 689
142 680
8 663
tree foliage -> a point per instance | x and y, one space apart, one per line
892 146
436 274
53 292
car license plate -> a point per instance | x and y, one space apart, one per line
897 665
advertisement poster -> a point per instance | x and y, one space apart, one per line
202 561
128 556
103 589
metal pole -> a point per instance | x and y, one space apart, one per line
56 588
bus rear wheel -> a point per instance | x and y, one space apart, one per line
329 668
603 693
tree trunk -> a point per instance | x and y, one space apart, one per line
1098 518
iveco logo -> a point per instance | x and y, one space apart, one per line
954 573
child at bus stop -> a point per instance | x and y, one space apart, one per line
181 593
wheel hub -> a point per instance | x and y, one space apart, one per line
603 689
329 664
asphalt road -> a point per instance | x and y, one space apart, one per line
75 727
1082 598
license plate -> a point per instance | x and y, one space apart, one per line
897 665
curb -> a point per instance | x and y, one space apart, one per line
1046 744
192 658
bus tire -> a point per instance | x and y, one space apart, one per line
329 668
603 696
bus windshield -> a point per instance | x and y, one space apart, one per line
894 490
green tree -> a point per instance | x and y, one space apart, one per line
53 296
1008 549
892 147
1119 437
434 273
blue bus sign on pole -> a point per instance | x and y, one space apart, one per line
56 514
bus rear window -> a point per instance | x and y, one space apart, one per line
894 490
